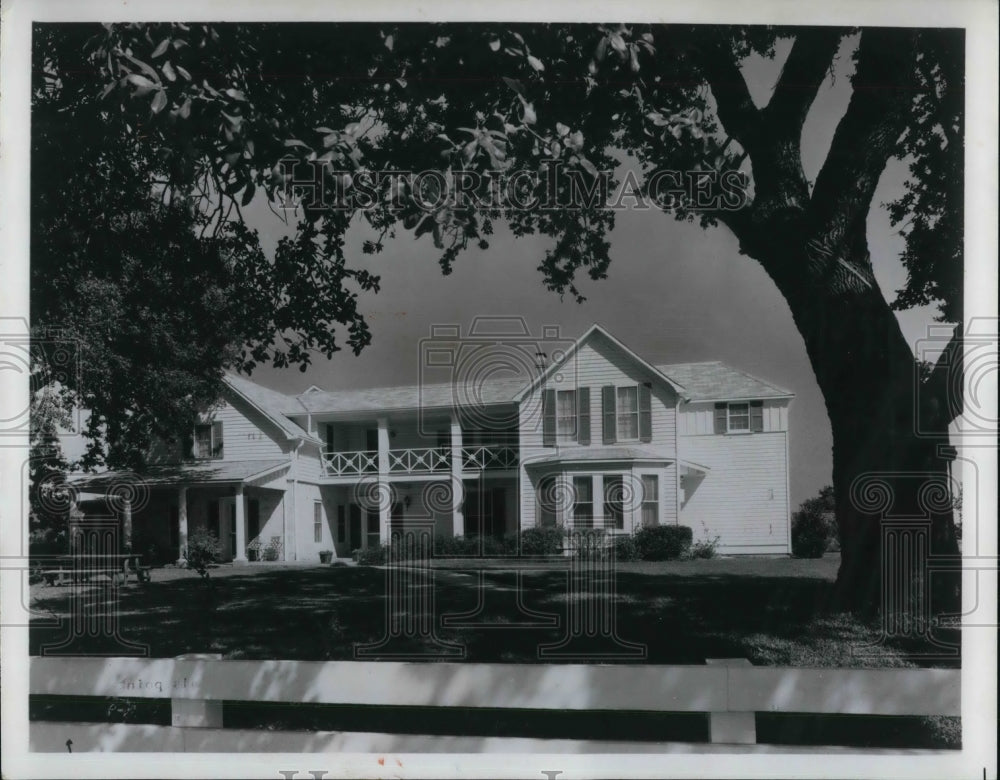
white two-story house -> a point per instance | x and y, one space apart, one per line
598 438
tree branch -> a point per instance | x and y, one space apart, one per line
802 75
868 134
737 112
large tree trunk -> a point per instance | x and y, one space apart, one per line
890 474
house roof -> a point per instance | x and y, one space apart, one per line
429 396
715 381
593 330
197 472
570 454
272 404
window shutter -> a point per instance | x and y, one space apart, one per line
548 418
187 444
583 415
217 439
608 407
645 414
757 416
720 418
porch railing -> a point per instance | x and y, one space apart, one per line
339 464
495 457
419 460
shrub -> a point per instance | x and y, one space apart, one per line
705 547
203 549
373 556
663 542
546 540
809 535
625 548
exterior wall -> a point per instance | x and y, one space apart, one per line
744 498
246 433
307 548
696 418
595 364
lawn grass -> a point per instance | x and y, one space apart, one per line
771 611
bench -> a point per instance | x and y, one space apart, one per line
126 565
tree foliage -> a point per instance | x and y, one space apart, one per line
194 123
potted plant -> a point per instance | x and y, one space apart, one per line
325 556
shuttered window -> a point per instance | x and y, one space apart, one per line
207 442
566 415
757 416
739 417
627 413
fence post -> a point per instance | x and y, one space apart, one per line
734 728
194 713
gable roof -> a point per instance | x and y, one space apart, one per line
272 404
593 330
715 381
188 472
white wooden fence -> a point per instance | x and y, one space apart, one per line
731 691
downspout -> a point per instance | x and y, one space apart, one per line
677 463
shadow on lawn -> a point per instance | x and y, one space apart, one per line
319 614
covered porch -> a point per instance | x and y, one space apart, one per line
242 503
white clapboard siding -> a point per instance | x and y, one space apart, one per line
697 418
595 364
743 499
246 433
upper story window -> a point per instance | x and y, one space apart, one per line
627 410
627 413
207 441
566 415
738 417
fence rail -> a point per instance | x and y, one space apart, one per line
730 691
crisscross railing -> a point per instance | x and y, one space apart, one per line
489 457
339 464
419 460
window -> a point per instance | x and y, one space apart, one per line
583 502
650 500
547 497
614 500
739 417
318 521
207 442
627 408
341 523
566 414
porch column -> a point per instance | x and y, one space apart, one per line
241 531
457 517
384 488
127 525
182 523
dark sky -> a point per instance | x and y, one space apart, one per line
675 293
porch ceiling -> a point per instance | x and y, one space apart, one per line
193 473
